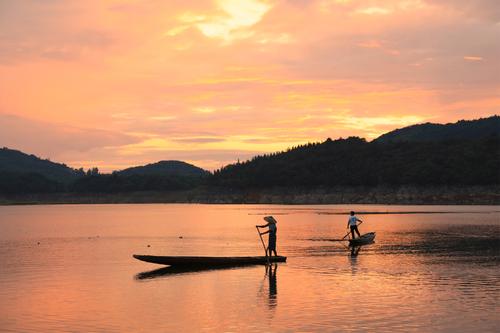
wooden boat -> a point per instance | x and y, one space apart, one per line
364 239
184 261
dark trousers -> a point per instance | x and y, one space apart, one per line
353 229
271 247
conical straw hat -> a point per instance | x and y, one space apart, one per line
270 219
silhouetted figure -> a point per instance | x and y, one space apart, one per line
353 224
271 224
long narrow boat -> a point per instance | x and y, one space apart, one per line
364 239
184 261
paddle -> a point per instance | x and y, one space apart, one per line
263 245
340 240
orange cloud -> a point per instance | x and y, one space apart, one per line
472 58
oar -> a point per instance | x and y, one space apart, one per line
340 240
346 235
263 245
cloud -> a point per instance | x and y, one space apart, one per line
374 11
199 140
47 30
53 140
109 160
488 10
231 23
473 58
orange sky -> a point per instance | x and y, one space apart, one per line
120 83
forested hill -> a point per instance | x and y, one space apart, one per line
355 162
166 168
461 154
21 173
17 162
161 176
461 130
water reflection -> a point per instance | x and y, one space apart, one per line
353 258
269 296
166 271
355 251
172 270
271 271
426 272
464 240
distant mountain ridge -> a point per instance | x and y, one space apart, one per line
461 154
461 130
15 161
355 162
21 173
166 168
464 153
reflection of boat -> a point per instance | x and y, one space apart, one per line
355 251
364 239
185 261
175 270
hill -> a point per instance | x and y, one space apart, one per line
160 176
166 168
461 130
462 155
355 162
17 162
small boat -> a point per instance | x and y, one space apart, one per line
184 261
364 239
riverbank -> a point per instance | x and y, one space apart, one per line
411 195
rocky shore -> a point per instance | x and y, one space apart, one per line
404 195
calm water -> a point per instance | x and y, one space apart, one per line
70 268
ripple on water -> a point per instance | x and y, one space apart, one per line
425 272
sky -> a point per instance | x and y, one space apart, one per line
113 84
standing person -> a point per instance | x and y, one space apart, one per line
271 224
353 224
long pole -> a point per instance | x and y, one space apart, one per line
263 245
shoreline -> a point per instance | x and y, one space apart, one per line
403 195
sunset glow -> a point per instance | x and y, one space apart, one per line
115 84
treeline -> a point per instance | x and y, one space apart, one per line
93 182
343 162
113 183
462 130
27 183
355 162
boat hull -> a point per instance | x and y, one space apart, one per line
185 261
364 239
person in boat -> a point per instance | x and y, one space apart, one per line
271 224
352 223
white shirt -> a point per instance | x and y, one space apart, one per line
353 221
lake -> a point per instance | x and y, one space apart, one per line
70 268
